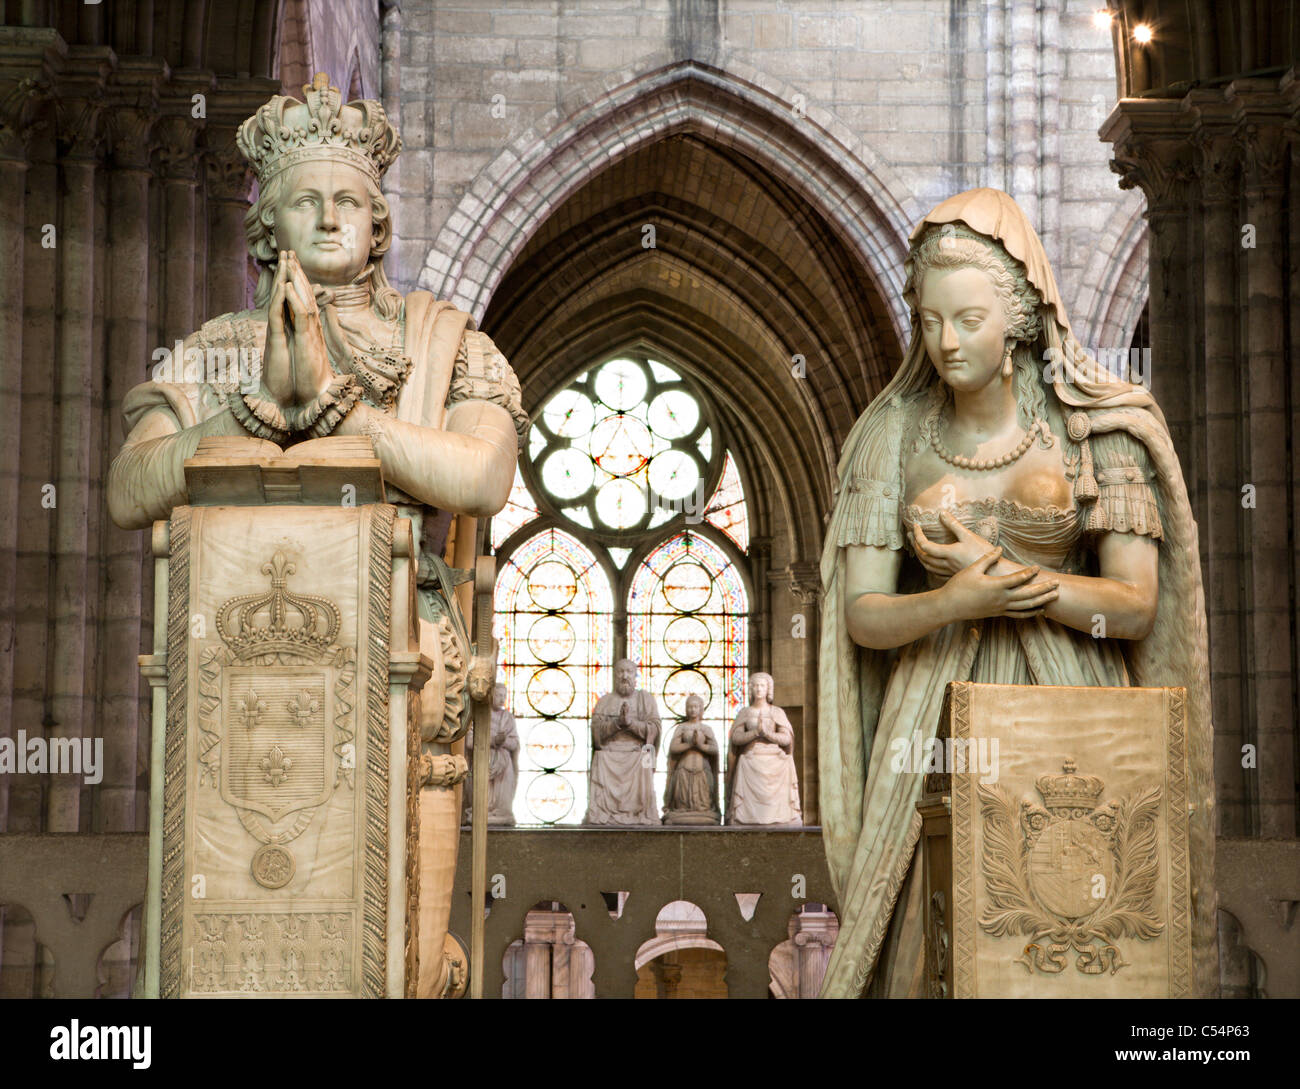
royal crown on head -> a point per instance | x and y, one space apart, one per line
287 131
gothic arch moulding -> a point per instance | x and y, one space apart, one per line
597 125
1114 286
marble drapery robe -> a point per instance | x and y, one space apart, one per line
691 794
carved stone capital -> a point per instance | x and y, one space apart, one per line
227 171
81 102
805 581
21 108
1161 168
1153 151
1263 144
1216 149
177 147
130 131
81 127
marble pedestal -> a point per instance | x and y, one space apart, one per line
284 816
1055 844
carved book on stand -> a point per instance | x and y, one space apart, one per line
1055 842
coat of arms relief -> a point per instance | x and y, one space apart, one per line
275 715
1072 874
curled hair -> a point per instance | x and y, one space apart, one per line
954 245
957 246
259 231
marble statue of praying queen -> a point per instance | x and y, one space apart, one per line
503 763
998 500
624 740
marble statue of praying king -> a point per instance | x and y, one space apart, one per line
624 743
762 787
691 794
330 350
503 764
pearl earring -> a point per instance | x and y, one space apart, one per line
1006 365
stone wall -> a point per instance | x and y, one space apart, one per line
949 95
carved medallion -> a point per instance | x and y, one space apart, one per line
272 866
1071 874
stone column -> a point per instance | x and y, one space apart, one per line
128 251
814 938
1218 389
16 104
538 928
806 586
228 183
178 137
1263 113
1225 374
35 521
81 127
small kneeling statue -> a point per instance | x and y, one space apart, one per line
691 796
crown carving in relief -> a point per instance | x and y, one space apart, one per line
279 621
1069 790
286 132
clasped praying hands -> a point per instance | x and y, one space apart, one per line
304 341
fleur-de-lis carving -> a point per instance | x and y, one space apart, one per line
275 766
303 707
250 709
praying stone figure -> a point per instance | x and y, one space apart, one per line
1008 513
339 440
624 742
762 787
691 796
503 765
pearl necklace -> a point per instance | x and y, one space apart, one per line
983 464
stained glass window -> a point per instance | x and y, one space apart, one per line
727 509
688 626
554 622
620 462
624 448
520 509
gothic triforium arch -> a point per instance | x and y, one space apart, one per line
868 208
1114 286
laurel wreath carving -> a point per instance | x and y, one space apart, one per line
1127 911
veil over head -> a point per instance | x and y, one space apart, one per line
854 678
